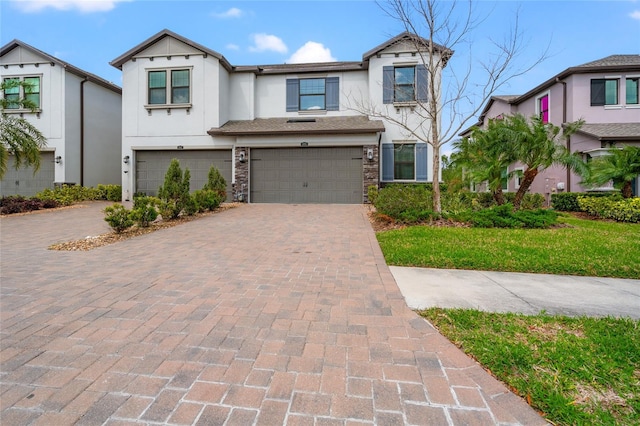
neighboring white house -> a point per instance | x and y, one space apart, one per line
78 112
605 93
278 133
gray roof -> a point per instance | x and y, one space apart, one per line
612 131
613 61
299 126
67 66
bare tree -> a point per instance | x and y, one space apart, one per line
437 28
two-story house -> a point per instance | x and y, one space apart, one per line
78 112
289 133
604 93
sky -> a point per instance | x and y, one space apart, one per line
91 33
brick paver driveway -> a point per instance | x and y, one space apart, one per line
262 314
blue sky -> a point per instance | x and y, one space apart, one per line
90 33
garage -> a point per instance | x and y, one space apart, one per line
306 175
23 181
151 167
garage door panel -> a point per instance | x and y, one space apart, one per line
306 175
23 181
152 166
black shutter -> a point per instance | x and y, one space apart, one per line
598 92
332 86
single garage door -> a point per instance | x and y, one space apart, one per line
306 175
151 167
23 182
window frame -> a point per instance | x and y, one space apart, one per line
539 111
637 90
397 163
604 82
398 86
22 94
302 96
169 93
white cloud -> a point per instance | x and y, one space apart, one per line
234 12
635 14
311 52
264 42
232 46
85 6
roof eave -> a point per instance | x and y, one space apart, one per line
219 132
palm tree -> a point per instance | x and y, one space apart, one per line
537 147
621 166
17 135
486 155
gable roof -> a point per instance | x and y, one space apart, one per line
128 55
414 39
67 66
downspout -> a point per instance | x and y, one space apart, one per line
564 120
82 130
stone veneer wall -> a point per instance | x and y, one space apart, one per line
370 169
241 187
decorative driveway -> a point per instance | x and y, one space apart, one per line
261 314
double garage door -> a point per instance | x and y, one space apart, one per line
306 175
152 166
23 181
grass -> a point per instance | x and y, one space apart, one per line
574 370
582 247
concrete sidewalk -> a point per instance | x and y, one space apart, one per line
518 292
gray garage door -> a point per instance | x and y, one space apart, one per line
151 166
24 182
306 175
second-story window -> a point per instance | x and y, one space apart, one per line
313 94
604 91
29 91
404 84
169 87
632 91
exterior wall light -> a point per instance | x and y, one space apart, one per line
242 157
58 159
370 154
125 160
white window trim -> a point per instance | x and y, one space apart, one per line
619 78
517 181
542 95
22 111
168 106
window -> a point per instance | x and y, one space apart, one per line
543 108
313 94
404 84
404 161
504 179
632 90
519 176
30 92
604 91
179 90
404 156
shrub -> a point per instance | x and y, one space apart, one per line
207 199
405 202
118 217
504 217
18 204
216 182
109 192
191 206
174 193
69 194
372 194
568 201
616 208
144 210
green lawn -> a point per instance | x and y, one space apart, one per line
582 247
575 371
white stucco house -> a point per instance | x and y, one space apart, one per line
278 133
605 93
78 112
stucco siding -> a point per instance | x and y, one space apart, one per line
71 156
242 96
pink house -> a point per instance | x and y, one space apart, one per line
604 93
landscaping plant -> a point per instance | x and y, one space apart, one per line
174 193
118 217
216 183
144 210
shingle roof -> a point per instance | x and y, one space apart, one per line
613 61
298 126
612 131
